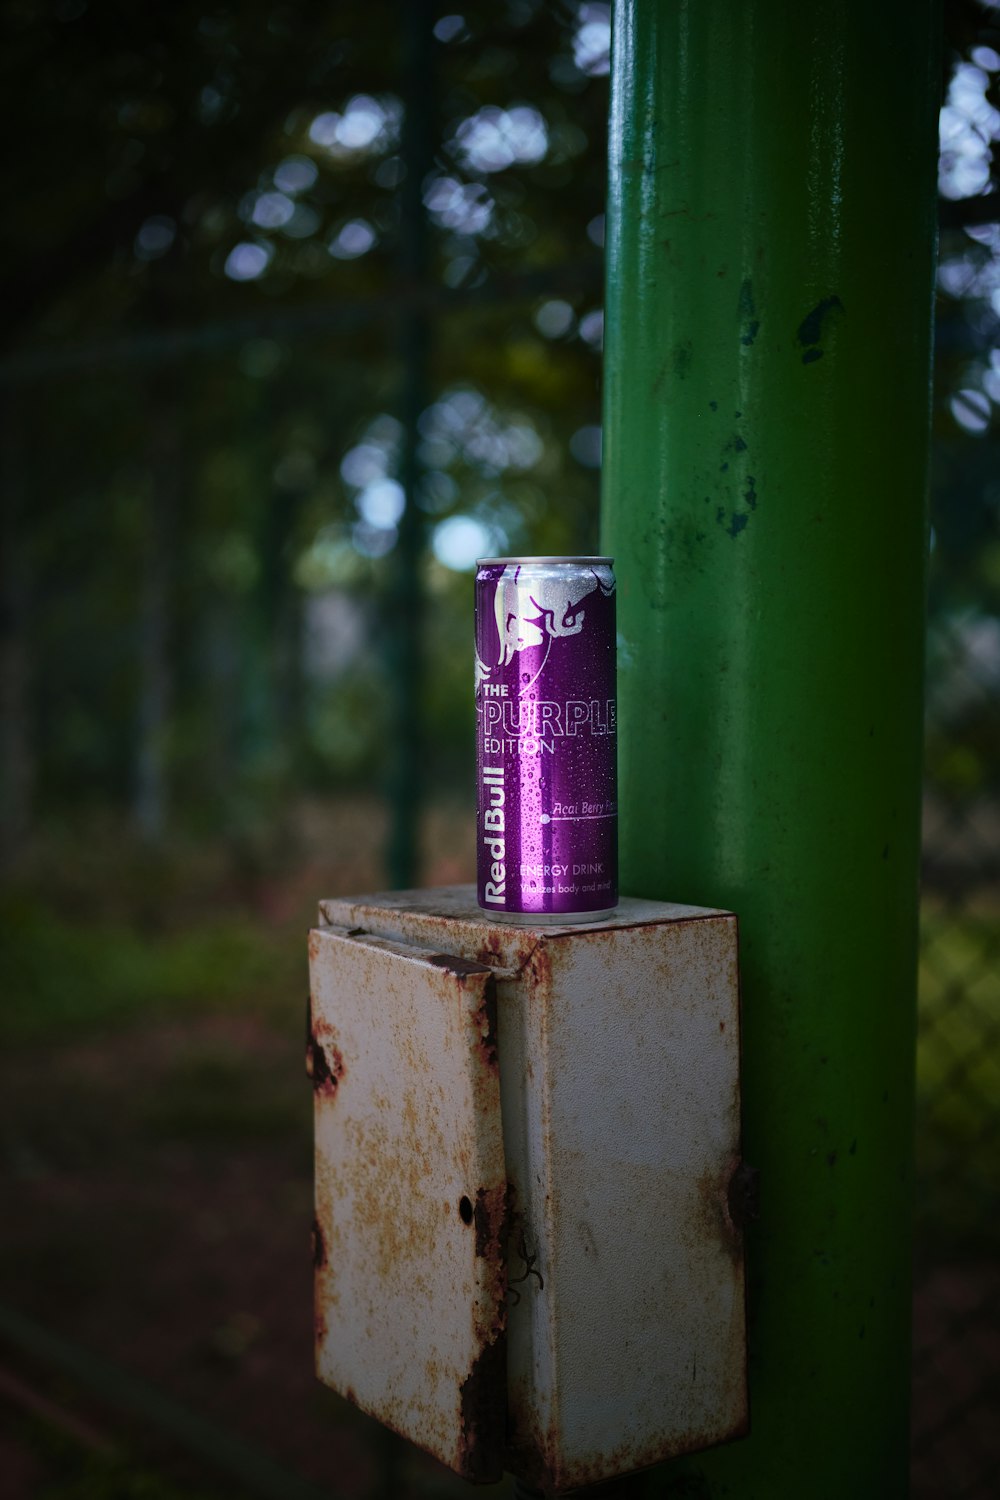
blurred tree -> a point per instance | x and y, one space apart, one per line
211 201
210 315
963 729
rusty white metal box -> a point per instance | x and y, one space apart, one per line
526 1148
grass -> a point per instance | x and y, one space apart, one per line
63 978
205 1096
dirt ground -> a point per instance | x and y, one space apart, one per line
956 1381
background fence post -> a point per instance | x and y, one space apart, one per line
766 421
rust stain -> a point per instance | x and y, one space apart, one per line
539 963
489 1214
535 1455
455 965
491 1218
324 1065
483 1393
489 952
318 1245
320 1328
715 1220
532 1452
391 1207
483 1400
486 1018
524 952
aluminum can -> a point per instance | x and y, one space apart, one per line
546 735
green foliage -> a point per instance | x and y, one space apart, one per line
64 978
194 495
117 1478
208 1096
69 1471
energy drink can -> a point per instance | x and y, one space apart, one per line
546 736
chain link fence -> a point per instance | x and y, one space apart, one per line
956 1369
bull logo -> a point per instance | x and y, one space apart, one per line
533 611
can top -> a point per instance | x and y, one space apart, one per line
495 562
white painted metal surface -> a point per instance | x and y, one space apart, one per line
619 1096
410 1192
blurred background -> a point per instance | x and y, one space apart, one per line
302 314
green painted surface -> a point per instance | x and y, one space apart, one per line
770 249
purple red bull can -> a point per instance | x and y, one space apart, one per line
546 734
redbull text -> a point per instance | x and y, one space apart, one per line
546 731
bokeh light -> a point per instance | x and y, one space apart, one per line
459 541
554 318
354 238
494 138
248 260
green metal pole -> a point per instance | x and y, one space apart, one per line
770 254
